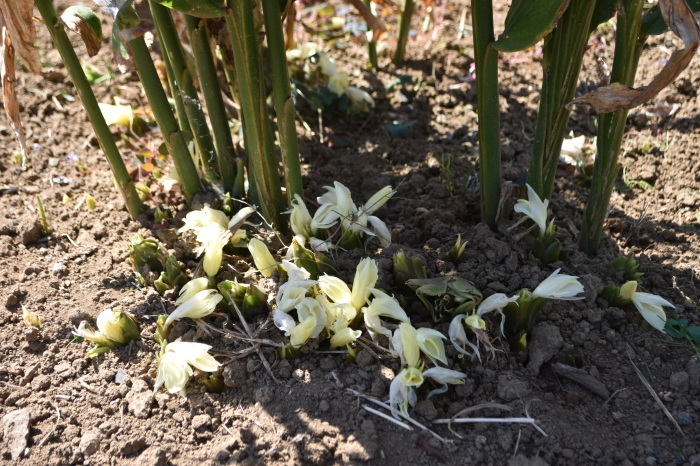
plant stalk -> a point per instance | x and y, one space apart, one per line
486 60
407 8
259 144
611 126
209 83
102 132
282 96
174 139
371 42
561 65
184 86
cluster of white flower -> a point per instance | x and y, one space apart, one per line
311 57
338 209
213 230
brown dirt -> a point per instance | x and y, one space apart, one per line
101 411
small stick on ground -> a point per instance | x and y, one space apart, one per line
655 396
58 419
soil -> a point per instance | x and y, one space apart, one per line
57 407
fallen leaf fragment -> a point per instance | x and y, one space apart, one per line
617 96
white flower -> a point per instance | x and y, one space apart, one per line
380 230
196 354
335 288
378 199
291 296
300 218
338 83
344 337
200 305
651 308
305 51
405 345
174 366
327 65
301 333
401 392
283 321
262 257
108 324
430 343
496 302
360 98
365 278
443 376
534 208
562 287
191 288
295 273
173 372
458 337
213 256
382 305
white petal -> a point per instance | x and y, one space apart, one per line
283 321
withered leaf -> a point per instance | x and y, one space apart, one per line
20 26
83 21
617 96
7 74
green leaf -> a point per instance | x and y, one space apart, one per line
653 22
198 8
82 20
529 21
694 334
398 129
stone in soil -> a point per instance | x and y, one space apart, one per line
545 341
15 430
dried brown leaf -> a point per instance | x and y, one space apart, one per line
20 26
7 75
81 26
617 96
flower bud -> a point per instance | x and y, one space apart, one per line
262 257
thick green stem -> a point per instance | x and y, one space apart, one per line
102 132
174 139
371 43
170 43
282 95
209 83
563 56
259 144
611 126
407 8
486 60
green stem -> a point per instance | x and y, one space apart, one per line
174 139
259 144
407 8
170 42
486 60
209 83
563 56
611 126
102 132
371 43
282 95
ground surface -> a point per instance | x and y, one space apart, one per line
101 411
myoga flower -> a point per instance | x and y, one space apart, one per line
408 342
494 303
344 337
300 218
338 83
443 376
562 287
533 208
365 278
191 288
649 305
114 328
360 98
335 288
294 273
382 305
200 305
174 366
401 391
262 257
